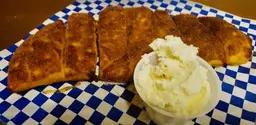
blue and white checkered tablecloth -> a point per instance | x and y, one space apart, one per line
91 103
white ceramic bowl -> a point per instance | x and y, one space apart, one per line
161 117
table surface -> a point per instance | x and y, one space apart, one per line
19 17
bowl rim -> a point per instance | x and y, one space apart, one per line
166 113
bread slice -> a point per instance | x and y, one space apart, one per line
55 53
140 34
38 61
237 45
62 53
124 36
164 25
112 39
195 33
80 53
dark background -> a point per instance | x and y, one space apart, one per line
18 17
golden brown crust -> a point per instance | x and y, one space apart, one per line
57 53
195 33
141 31
164 25
117 71
141 34
131 31
80 49
18 72
237 45
112 39
38 60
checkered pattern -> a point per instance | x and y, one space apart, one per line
96 103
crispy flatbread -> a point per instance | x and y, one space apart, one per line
112 39
54 54
195 33
237 45
140 34
62 53
80 49
38 61
124 36
164 25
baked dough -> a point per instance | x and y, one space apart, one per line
80 49
237 45
38 61
195 33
